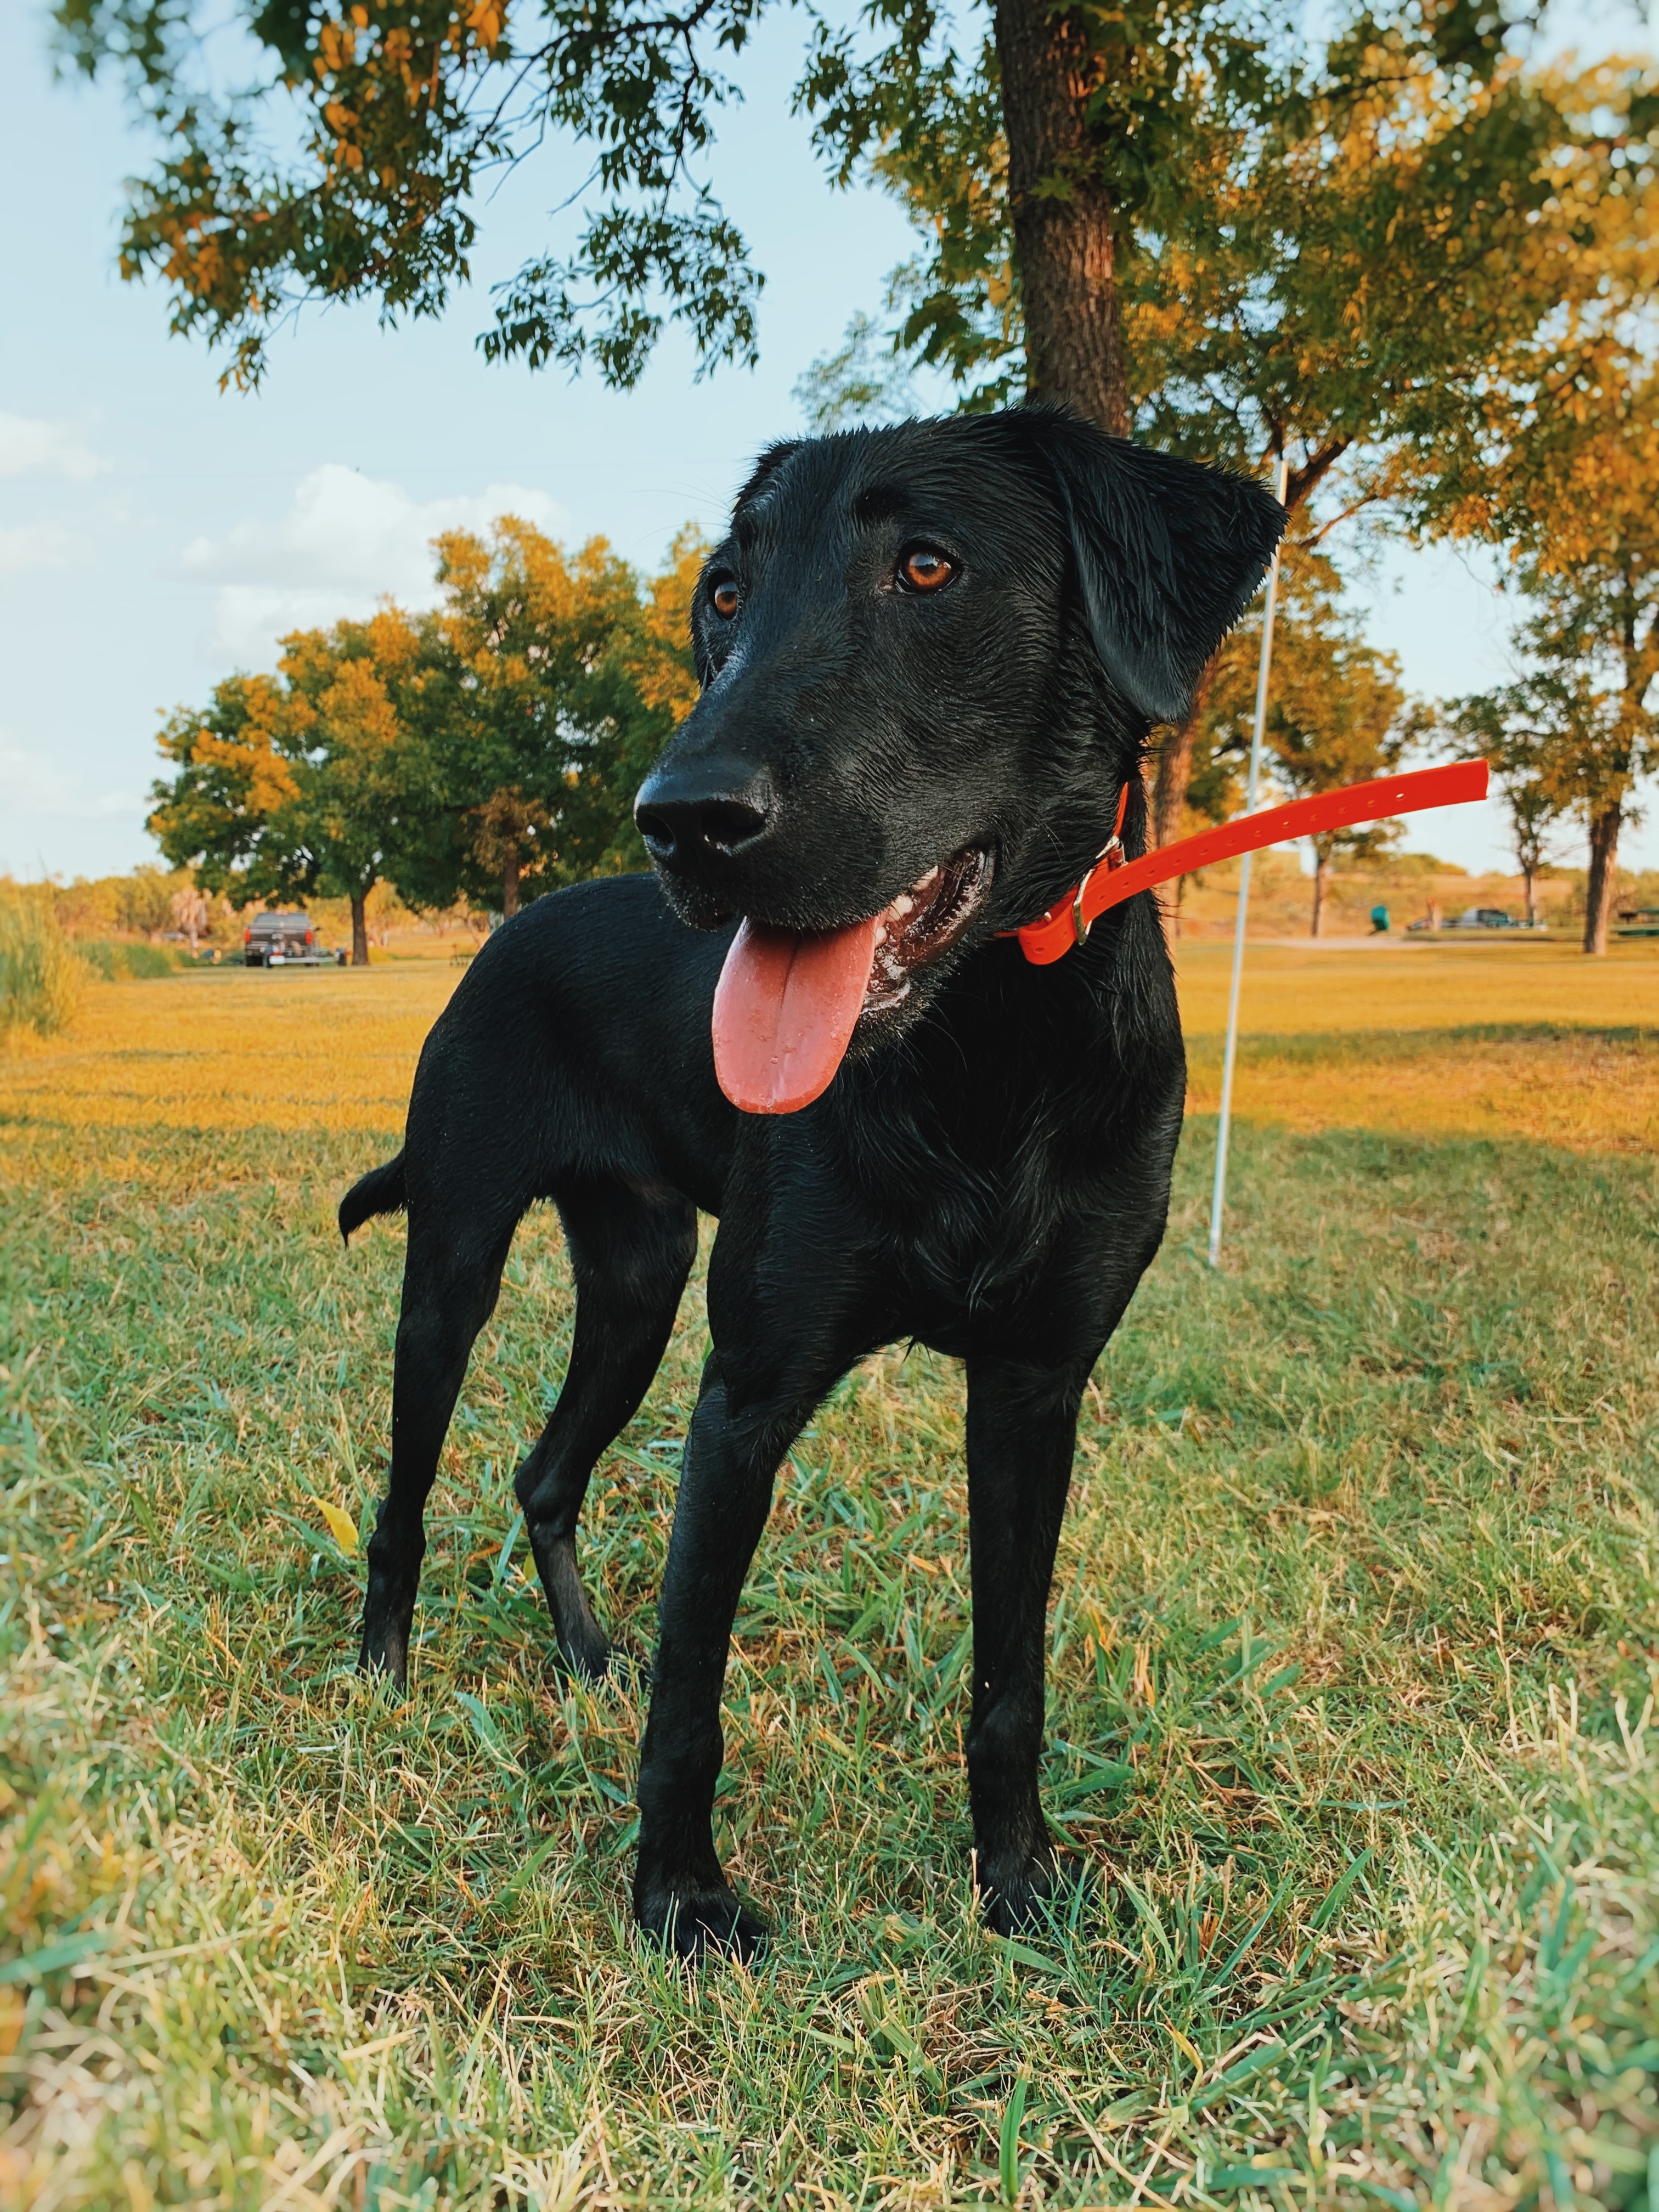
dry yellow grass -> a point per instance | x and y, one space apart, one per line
1291 989
1530 1039
235 1050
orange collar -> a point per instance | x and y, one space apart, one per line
1112 880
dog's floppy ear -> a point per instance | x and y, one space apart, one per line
1168 553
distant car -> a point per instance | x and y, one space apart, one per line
285 940
1483 917
1475 917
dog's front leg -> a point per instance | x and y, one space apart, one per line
681 1895
1022 1429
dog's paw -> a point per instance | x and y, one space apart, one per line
702 1920
586 1652
1018 1901
385 1653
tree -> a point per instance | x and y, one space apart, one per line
1338 280
234 774
1561 467
350 763
1337 713
1526 734
492 746
1348 301
1585 714
1592 577
288 788
1105 120
544 688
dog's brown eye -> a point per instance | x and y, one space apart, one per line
925 569
726 596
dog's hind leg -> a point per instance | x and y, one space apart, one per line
630 1253
451 1278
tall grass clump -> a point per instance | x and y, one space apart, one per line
40 977
133 962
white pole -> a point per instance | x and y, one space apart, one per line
1254 778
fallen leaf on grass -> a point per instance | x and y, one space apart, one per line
341 1526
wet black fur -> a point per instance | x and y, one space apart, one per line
989 1171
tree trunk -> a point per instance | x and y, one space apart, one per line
1173 772
1063 234
1322 876
1174 768
509 882
1530 877
1599 885
360 929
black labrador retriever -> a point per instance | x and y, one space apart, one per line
930 657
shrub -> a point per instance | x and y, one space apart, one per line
115 962
41 978
144 963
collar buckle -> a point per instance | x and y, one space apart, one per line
1110 856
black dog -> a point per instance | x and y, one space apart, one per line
930 657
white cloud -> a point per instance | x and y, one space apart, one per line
346 541
28 443
30 783
28 545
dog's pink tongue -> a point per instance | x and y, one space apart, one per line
785 1008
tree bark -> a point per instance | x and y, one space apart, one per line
509 881
360 929
1599 885
1321 876
1175 772
1529 876
1064 237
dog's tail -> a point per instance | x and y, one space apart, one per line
380 1191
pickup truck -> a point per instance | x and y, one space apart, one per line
285 940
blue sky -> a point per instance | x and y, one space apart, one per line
156 534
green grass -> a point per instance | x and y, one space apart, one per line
1354 1633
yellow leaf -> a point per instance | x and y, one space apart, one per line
341 1526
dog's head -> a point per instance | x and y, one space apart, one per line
929 659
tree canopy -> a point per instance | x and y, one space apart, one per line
350 159
545 687
486 749
1348 274
294 784
1561 466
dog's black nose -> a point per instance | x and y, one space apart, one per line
713 810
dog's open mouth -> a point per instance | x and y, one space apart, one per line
789 1000
917 926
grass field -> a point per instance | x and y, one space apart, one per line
1356 1639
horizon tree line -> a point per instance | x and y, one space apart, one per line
487 751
